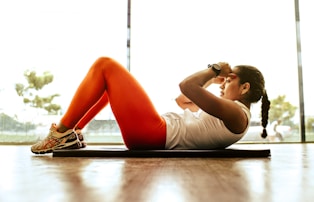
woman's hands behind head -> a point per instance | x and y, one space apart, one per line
225 69
225 72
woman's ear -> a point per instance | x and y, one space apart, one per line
245 88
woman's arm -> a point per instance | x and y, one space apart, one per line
184 102
227 110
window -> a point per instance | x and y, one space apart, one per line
169 41
63 37
307 49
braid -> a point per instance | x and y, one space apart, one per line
257 90
265 109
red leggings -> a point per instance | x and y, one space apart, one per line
108 81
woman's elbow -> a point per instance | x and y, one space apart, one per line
184 86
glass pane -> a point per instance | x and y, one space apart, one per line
63 37
307 47
170 42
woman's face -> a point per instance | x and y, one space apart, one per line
231 88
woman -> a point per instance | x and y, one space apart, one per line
208 122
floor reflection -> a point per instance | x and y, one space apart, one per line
82 179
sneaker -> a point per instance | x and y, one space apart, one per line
81 138
55 140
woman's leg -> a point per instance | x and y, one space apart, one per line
140 124
101 103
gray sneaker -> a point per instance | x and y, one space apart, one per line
55 140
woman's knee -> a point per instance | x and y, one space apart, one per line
106 61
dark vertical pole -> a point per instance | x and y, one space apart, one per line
129 36
300 74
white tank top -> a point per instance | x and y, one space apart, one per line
200 130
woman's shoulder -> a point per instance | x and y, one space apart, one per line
244 108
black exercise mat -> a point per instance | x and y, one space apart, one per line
122 152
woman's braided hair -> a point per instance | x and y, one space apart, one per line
265 109
257 90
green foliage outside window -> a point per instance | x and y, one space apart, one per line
31 92
282 110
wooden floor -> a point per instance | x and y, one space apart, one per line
288 175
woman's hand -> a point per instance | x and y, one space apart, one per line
225 69
225 72
218 80
184 102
